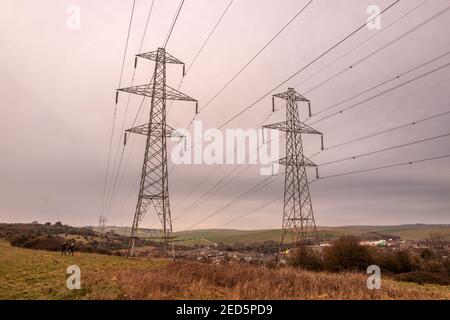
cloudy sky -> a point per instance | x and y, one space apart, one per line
57 87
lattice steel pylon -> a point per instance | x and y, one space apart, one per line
154 186
102 225
298 217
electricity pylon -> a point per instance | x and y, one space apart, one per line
298 217
102 225
154 186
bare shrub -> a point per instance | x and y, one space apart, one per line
395 261
347 254
305 258
436 240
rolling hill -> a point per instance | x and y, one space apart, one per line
405 232
232 236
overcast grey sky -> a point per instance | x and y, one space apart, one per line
57 89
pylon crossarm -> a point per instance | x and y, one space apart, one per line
175 133
142 90
304 162
168 58
296 127
173 94
147 90
291 95
156 131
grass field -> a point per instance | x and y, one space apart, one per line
32 274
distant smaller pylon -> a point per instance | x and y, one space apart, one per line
102 225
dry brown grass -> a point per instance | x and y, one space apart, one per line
191 280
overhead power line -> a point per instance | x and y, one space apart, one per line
412 123
214 170
108 165
383 83
341 175
385 149
209 37
264 183
403 16
190 66
420 141
256 55
295 74
212 190
126 44
113 181
366 57
385 167
146 24
301 69
201 49
174 22
384 29
222 183
246 194
251 211
387 45
381 93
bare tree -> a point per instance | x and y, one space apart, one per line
436 240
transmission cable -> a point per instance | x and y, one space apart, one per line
361 44
257 54
340 175
200 50
115 110
298 72
413 123
213 190
302 69
386 149
383 83
124 119
173 23
252 190
380 49
209 36
235 149
381 94
385 167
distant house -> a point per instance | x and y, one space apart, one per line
377 243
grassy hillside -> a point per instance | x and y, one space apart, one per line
406 232
33 274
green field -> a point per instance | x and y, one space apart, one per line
406 232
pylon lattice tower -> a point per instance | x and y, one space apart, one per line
298 217
154 186
102 225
